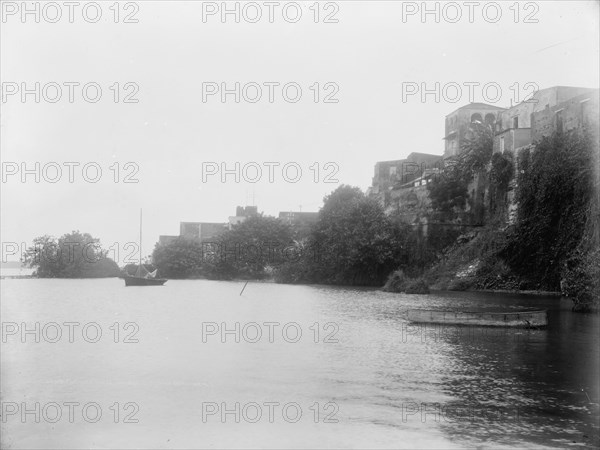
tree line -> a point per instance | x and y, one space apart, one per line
553 243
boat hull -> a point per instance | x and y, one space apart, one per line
138 281
522 319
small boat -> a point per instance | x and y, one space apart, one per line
521 319
142 277
139 279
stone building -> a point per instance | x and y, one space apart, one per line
573 114
390 176
514 125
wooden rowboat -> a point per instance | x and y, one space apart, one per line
521 319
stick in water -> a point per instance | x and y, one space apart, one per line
244 287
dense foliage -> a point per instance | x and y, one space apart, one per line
448 191
476 150
500 176
353 242
74 255
357 243
557 185
179 259
249 250
581 279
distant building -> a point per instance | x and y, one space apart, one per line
241 214
459 120
401 173
246 211
296 218
202 231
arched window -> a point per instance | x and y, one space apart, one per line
490 119
476 118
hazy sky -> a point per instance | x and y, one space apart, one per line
170 132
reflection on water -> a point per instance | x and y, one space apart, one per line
346 360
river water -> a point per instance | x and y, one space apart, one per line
315 367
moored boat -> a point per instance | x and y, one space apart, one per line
142 277
521 319
132 280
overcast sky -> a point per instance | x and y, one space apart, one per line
170 132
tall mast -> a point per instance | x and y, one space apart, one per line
140 239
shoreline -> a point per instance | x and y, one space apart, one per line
508 291
488 291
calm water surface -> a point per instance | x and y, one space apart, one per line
371 379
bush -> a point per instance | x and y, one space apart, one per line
399 282
396 282
293 272
417 286
461 284
494 273
581 280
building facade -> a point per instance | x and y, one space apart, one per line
515 126
201 231
393 175
457 124
241 214
297 218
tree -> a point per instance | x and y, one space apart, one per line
357 243
245 251
448 191
74 255
179 259
476 150
255 244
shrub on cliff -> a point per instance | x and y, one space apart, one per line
399 282
448 191
581 280
556 187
